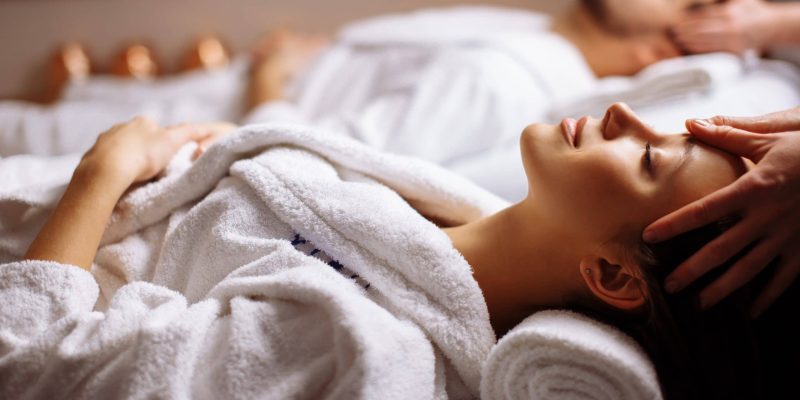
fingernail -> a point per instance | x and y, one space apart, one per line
650 236
671 286
701 122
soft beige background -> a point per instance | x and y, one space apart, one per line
31 29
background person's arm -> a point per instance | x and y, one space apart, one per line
739 25
132 152
767 198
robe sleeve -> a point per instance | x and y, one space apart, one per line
37 294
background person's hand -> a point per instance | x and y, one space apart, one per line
767 198
733 26
139 149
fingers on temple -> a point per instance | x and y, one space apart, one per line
785 275
780 121
743 271
713 207
734 140
711 256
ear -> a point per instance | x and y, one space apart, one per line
613 283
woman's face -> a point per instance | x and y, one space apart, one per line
598 177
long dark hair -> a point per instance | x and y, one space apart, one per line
697 354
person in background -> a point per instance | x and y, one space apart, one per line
739 25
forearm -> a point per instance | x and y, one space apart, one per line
74 230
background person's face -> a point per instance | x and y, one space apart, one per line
603 186
642 16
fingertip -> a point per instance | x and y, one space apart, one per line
651 235
671 285
702 123
198 152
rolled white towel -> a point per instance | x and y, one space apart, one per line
565 355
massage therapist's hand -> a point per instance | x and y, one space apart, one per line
734 26
139 149
767 198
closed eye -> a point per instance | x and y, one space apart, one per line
648 158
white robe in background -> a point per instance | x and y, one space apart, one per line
453 86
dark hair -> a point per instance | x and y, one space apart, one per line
597 8
697 354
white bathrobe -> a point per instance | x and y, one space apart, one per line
202 288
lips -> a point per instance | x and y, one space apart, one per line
576 138
569 130
572 130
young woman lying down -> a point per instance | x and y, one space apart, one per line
285 263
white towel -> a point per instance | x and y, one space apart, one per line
564 355
665 81
202 293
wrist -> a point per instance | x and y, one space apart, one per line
95 170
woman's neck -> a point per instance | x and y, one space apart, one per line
517 263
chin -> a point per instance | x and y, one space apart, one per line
539 137
539 151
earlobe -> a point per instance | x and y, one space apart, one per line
613 284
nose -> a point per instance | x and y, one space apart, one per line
620 121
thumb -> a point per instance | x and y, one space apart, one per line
736 141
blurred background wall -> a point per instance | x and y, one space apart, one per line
30 30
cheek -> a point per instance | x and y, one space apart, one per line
594 191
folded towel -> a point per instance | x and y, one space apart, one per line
565 355
664 81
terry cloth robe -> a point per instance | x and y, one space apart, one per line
284 263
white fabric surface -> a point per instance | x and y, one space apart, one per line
676 78
90 107
764 86
564 355
201 294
